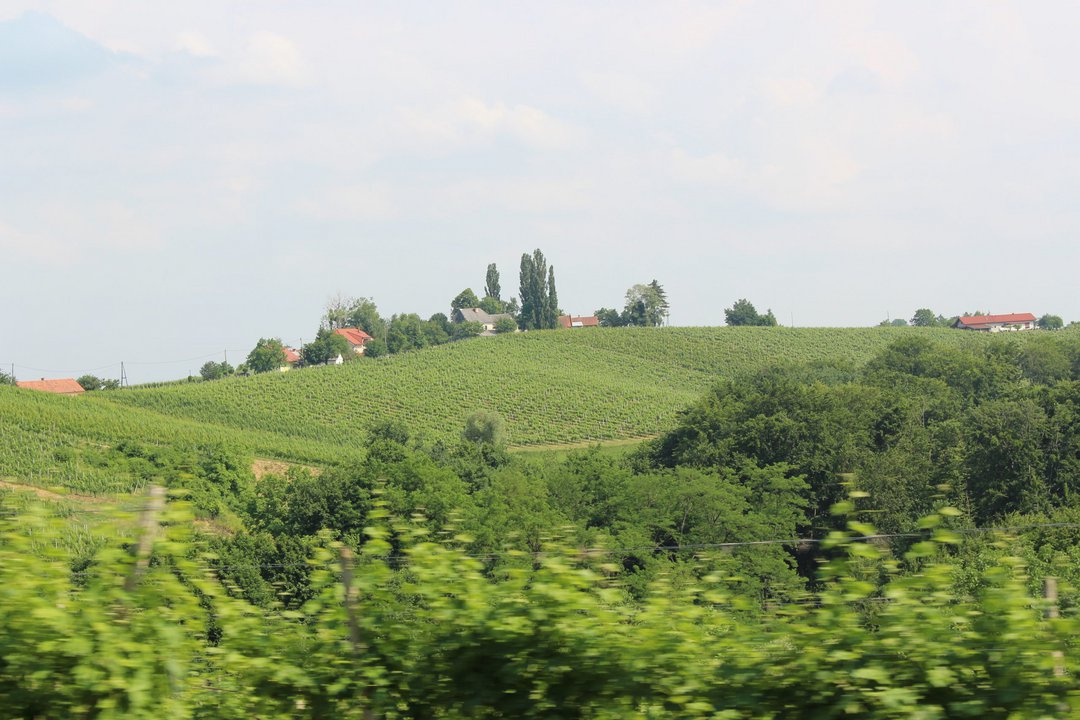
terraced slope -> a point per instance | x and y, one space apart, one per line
552 387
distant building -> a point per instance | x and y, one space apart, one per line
997 323
478 315
66 386
356 337
292 357
577 321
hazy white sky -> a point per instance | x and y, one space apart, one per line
181 178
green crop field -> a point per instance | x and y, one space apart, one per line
52 441
554 387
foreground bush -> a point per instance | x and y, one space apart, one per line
422 632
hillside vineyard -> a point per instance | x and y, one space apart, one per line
552 387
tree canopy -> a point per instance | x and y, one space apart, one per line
539 300
326 347
492 288
343 312
743 312
215 370
93 382
465 299
267 355
646 305
1051 322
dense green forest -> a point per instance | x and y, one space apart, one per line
821 536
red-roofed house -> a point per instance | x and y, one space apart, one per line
291 358
356 338
577 321
66 386
997 323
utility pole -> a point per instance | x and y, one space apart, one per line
123 375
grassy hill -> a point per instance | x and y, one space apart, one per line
555 387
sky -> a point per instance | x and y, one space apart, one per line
178 180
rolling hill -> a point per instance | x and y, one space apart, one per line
553 388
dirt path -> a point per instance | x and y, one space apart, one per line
264 466
585 444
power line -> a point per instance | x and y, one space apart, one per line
590 552
15 365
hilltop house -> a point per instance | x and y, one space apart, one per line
577 321
291 358
478 315
996 323
356 338
66 386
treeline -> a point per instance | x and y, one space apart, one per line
536 307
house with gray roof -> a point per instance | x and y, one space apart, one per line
477 315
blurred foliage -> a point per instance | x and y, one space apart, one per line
422 632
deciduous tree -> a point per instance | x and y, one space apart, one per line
646 305
267 355
215 370
925 317
743 312
1051 322
465 299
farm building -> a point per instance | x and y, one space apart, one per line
292 356
65 386
478 315
996 323
356 338
577 321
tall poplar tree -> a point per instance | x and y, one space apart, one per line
551 313
491 287
538 311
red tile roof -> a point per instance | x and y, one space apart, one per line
355 336
66 386
291 355
569 321
1010 319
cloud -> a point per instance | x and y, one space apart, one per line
65 233
534 196
349 203
21 244
626 92
195 44
268 59
470 120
